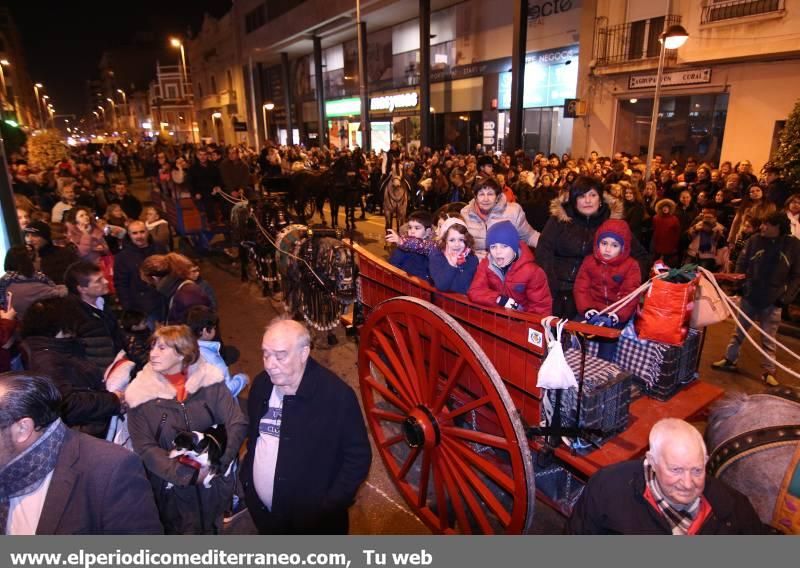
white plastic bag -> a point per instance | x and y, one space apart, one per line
555 373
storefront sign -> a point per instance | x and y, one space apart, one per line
545 8
240 127
683 77
343 107
550 77
392 102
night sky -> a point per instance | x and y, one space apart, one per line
63 41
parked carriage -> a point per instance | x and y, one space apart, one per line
187 219
450 396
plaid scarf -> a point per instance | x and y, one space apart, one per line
679 519
25 473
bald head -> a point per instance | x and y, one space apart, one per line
137 231
678 458
285 349
675 432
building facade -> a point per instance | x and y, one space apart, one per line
726 92
171 108
18 102
218 81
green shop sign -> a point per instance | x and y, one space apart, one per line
343 107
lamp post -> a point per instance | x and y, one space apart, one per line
36 88
265 109
96 119
101 109
674 37
175 42
114 123
127 108
3 63
214 118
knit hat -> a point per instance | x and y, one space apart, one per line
611 235
504 233
39 228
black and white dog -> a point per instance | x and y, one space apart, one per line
202 450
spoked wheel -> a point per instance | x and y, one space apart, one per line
443 421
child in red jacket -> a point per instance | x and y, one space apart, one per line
607 276
666 233
508 277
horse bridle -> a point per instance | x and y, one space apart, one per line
747 443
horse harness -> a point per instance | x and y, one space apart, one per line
747 443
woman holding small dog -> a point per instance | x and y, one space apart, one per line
176 392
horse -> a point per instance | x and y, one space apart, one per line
317 274
310 189
396 191
755 448
259 258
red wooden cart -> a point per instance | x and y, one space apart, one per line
448 389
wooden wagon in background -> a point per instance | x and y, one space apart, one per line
449 392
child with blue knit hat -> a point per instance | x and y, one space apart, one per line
508 277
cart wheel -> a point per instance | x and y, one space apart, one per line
443 421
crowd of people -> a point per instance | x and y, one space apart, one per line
127 330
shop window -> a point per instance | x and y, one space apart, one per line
691 125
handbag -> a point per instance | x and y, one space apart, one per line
709 308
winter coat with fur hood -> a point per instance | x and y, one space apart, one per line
602 282
568 238
155 417
666 229
525 282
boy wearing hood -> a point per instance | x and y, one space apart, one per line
606 276
508 276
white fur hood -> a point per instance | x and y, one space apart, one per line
150 385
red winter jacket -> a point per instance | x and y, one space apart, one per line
666 230
525 282
600 283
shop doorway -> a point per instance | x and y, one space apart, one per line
546 130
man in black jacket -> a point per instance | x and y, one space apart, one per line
308 451
98 330
205 181
771 263
50 259
667 493
133 292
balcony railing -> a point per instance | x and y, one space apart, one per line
632 41
719 11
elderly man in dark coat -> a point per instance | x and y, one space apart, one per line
57 481
308 450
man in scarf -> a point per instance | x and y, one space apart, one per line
666 493
771 263
54 480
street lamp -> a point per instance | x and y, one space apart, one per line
3 63
113 113
125 104
265 109
674 37
214 118
36 88
175 42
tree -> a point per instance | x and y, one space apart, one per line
787 158
46 148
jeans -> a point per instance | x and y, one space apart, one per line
768 318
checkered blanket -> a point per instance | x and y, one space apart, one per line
597 372
644 359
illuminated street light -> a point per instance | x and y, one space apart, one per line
265 110
175 42
674 37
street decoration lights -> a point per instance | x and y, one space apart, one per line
266 107
673 38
